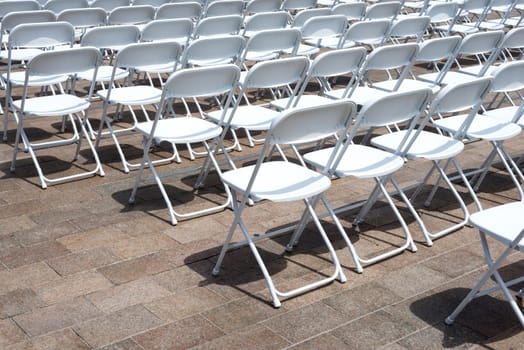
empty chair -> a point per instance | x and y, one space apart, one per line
270 44
372 33
301 17
179 30
408 28
191 10
224 8
109 5
134 94
442 17
218 26
383 10
58 6
354 11
297 5
189 83
28 107
318 29
13 19
366 162
154 3
257 6
284 182
264 21
83 18
131 15
441 150
503 225
213 50
18 6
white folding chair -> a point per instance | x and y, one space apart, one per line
354 11
504 225
270 44
293 6
273 76
257 6
154 3
284 181
109 5
372 33
213 50
187 83
443 15
224 8
407 28
439 149
178 30
7 7
140 57
326 65
264 21
218 26
83 19
318 29
366 162
58 6
383 10
12 19
184 10
301 17
42 67
128 15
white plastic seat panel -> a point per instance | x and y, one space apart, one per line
20 54
52 105
157 68
18 78
261 55
450 77
481 127
428 145
251 117
278 181
408 85
133 95
182 129
362 95
103 74
505 115
304 102
359 161
499 222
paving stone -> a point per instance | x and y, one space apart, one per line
146 244
323 341
306 322
18 302
128 344
83 261
98 238
11 225
57 316
43 233
71 286
119 297
184 277
116 326
442 337
182 334
256 337
185 303
26 276
133 269
65 339
33 254
10 333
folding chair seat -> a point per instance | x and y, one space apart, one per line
58 6
129 15
83 19
224 8
354 11
213 50
146 57
218 26
391 61
326 65
25 42
506 79
219 80
482 46
503 224
283 181
365 162
440 150
109 5
273 76
45 66
265 21
383 10
184 10
372 33
178 30
407 28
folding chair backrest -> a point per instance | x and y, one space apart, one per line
354 11
295 5
212 49
275 40
42 35
302 125
131 15
179 29
338 62
109 5
18 6
513 39
218 25
84 17
257 6
148 54
154 3
224 8
393 108
266 20
301 17
191 10
324 26
461 96
439 48
276 73
508 77
442 11
482 42
381 10
364 31
391 57
409 26
111 36
13 19
64 62
58 6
